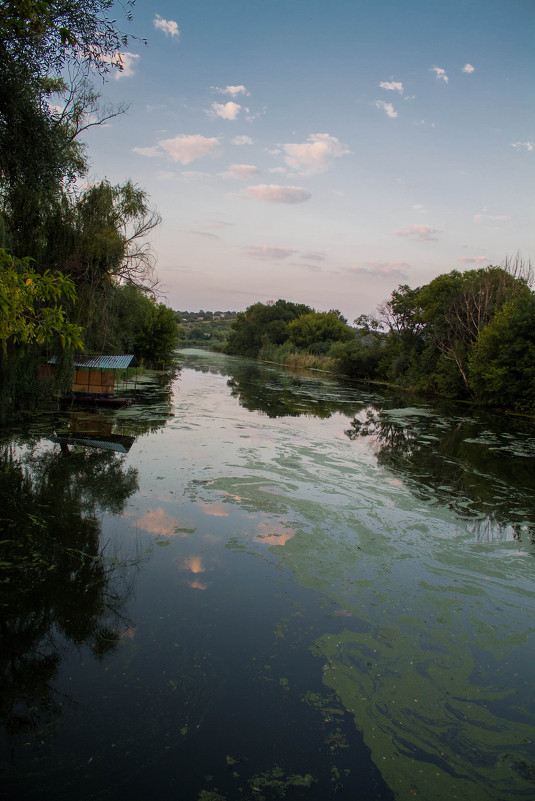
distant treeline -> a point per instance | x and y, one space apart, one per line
210 329
468 336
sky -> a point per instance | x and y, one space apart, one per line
324 151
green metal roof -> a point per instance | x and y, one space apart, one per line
119 362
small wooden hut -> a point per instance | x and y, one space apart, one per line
94 377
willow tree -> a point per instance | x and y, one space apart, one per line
40 41
48 51
98 238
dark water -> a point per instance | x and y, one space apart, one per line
256 584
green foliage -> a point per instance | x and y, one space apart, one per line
502 362
437 340
81 244
357 358
157 336
312 328
261 324
463 335
142 326
51 33
31 306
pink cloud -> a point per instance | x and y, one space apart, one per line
315 154
472 259
382 269
188 148
242 171
420 233
274 193
149 152
227 111
265 253
314 255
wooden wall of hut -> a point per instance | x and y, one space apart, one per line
94 382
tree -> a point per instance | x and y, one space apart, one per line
31 308
39 40
357 358
90 241
157 336
433 329
316 328
140 325
261 324
458 306
98 236
47 34
502 362
98 239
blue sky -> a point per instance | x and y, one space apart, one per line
325 152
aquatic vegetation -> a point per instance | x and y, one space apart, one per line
378 645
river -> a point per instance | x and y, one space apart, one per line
256 584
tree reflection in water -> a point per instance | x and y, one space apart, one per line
457 462
281 392
59 588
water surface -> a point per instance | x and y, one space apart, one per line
258 584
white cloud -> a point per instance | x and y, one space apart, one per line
419 207
265 253
242 171
251 116
278 170
382 269
523 145
126 63
168 26
468 68
227 111
242 140
278 194
392 86
388 107
150 152
440 74
233 91
314 155
186 149
472 259
420 233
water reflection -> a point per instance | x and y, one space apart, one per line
58 586
409 525
92 431
466 464
61 586
275 392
